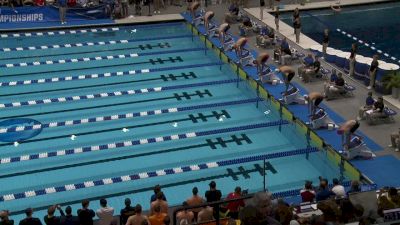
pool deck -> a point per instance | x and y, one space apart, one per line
325 4
149 19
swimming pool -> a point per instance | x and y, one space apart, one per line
377 25
111 112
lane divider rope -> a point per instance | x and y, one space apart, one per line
157 173
100 75
95 58
144 141
124 116
371 46
99 43
61 32
84 31
111 94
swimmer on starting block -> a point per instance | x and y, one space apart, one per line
347 130
353 145
225 39
264 72
314 99
193 8
288 73
244 55
207 18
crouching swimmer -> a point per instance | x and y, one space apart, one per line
292 94
226 40
265 74
244 55
352 143
196 18
211 29
318 116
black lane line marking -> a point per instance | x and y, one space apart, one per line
214 177
174 96
214 114
142 47
162 77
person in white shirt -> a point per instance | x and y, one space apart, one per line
105 213
338 189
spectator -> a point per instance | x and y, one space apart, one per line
158 217
296 14
206 214
50 219
297 28
5 220
276 15
347 209
213 194
157 189
338 189
262 6
263 205
330 211
330 90
325 42
369 103
308 193
234 207
167 220
162 203
185 216
352 59
126 212
394 196
372 71
377 110
324 193
138 217
62 8
69 219
283 214
355 187
395 140
125 8
195 200
29 220
85 214
105 213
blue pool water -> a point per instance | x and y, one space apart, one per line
378 25
113 113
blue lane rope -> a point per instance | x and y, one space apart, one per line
99 43
123 116
101 75
157 173
112 94
96 58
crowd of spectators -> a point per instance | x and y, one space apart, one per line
260 209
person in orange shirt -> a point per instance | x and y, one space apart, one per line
158 217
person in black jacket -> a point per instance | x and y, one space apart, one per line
69 219
29 220
213 194
126 212
85 214
50 219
